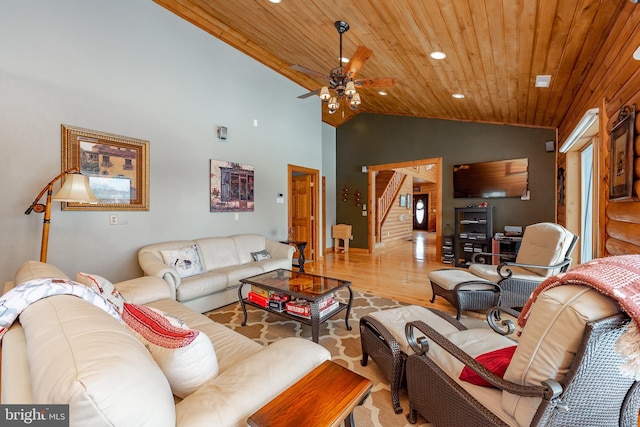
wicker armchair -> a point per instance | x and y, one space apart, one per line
545 251
564 371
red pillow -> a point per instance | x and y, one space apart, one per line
496 361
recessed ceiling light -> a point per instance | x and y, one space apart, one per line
438 55
543 80
275 1
344 59
636 54
457 95
382 92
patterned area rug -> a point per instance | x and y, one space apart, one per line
344 346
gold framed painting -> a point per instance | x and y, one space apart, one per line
621 167
117 167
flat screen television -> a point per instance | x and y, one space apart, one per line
502 178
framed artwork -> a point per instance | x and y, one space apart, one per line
621 168
403 200
231 187
117 167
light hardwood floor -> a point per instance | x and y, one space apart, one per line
398 271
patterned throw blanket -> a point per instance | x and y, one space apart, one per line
617 277
19 298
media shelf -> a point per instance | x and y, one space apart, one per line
473 234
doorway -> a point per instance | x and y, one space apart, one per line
303 213
421 212
581 201
433 209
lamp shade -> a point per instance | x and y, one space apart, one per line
75 189
324 93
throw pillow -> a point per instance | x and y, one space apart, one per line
103 287
496 361
260 256
186 261
185 356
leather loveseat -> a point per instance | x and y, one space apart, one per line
205 274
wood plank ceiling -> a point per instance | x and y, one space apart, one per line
494 48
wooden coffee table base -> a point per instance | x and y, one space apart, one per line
323 398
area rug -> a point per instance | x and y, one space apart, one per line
344 345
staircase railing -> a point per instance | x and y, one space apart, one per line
385 201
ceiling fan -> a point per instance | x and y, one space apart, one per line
341 79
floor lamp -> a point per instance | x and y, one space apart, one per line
75 189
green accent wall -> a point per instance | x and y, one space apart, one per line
375 139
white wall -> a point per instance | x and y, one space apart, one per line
130 67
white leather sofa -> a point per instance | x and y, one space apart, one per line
223 261
64 350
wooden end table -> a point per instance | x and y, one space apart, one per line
323 398
300 246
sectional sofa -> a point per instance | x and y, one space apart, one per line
65 350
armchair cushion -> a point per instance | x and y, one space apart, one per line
545 243
550 340
496 361
490 273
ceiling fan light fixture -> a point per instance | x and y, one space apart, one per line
324 94
355 101
334 104
350 89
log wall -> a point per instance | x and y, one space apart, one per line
612 83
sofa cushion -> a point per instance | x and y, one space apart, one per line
550 340
248 243
235 273
218 252
103 287
272 264
231 397
71 344
143 290
261 255
200 285
186 356
185 261
37 270
230 346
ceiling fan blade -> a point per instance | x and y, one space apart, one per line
306 95
311 73
357 60
379 82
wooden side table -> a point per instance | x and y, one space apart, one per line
301 247
323 398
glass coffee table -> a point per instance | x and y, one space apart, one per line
311 298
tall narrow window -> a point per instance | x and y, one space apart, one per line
586 203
